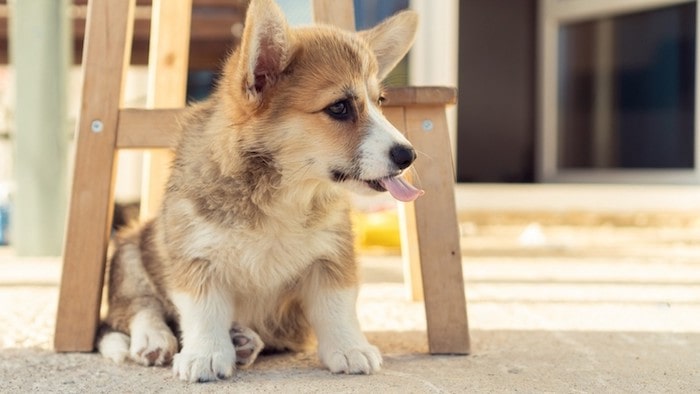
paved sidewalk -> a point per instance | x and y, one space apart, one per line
556 325
570 289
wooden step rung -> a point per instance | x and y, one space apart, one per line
147 128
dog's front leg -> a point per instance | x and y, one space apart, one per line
342 347
207 352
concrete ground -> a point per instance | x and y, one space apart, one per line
565 295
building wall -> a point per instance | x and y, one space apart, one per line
496 107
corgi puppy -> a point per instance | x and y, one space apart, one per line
252 246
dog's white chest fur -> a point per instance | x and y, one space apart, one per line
260 260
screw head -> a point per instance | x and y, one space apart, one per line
96 126
427 125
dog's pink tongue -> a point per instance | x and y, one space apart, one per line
400 189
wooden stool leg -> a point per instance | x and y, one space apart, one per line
105 60
407 225
167 88
437 231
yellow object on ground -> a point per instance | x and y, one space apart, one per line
377 230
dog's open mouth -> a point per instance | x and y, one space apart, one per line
397 186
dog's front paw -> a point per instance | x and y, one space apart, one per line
195 365
359 359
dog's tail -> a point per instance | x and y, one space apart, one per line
112 344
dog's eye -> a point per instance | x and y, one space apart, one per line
340 110
381 100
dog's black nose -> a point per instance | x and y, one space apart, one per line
402 156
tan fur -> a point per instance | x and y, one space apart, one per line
251 209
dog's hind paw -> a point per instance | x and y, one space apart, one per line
364 359
153 348
114 346
152 342
247 344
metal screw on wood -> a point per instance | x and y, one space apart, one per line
427 125
96 126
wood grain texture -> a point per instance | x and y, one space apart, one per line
147 128
90 211
167 88
420 95
340 13
438 232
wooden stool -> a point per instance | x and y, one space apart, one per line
430 234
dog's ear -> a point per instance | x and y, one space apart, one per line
391 39
265 48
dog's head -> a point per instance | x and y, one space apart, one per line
310 99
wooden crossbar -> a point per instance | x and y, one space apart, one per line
153 128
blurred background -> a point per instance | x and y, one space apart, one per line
551 92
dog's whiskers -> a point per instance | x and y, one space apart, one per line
423 154
297 173
414 176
